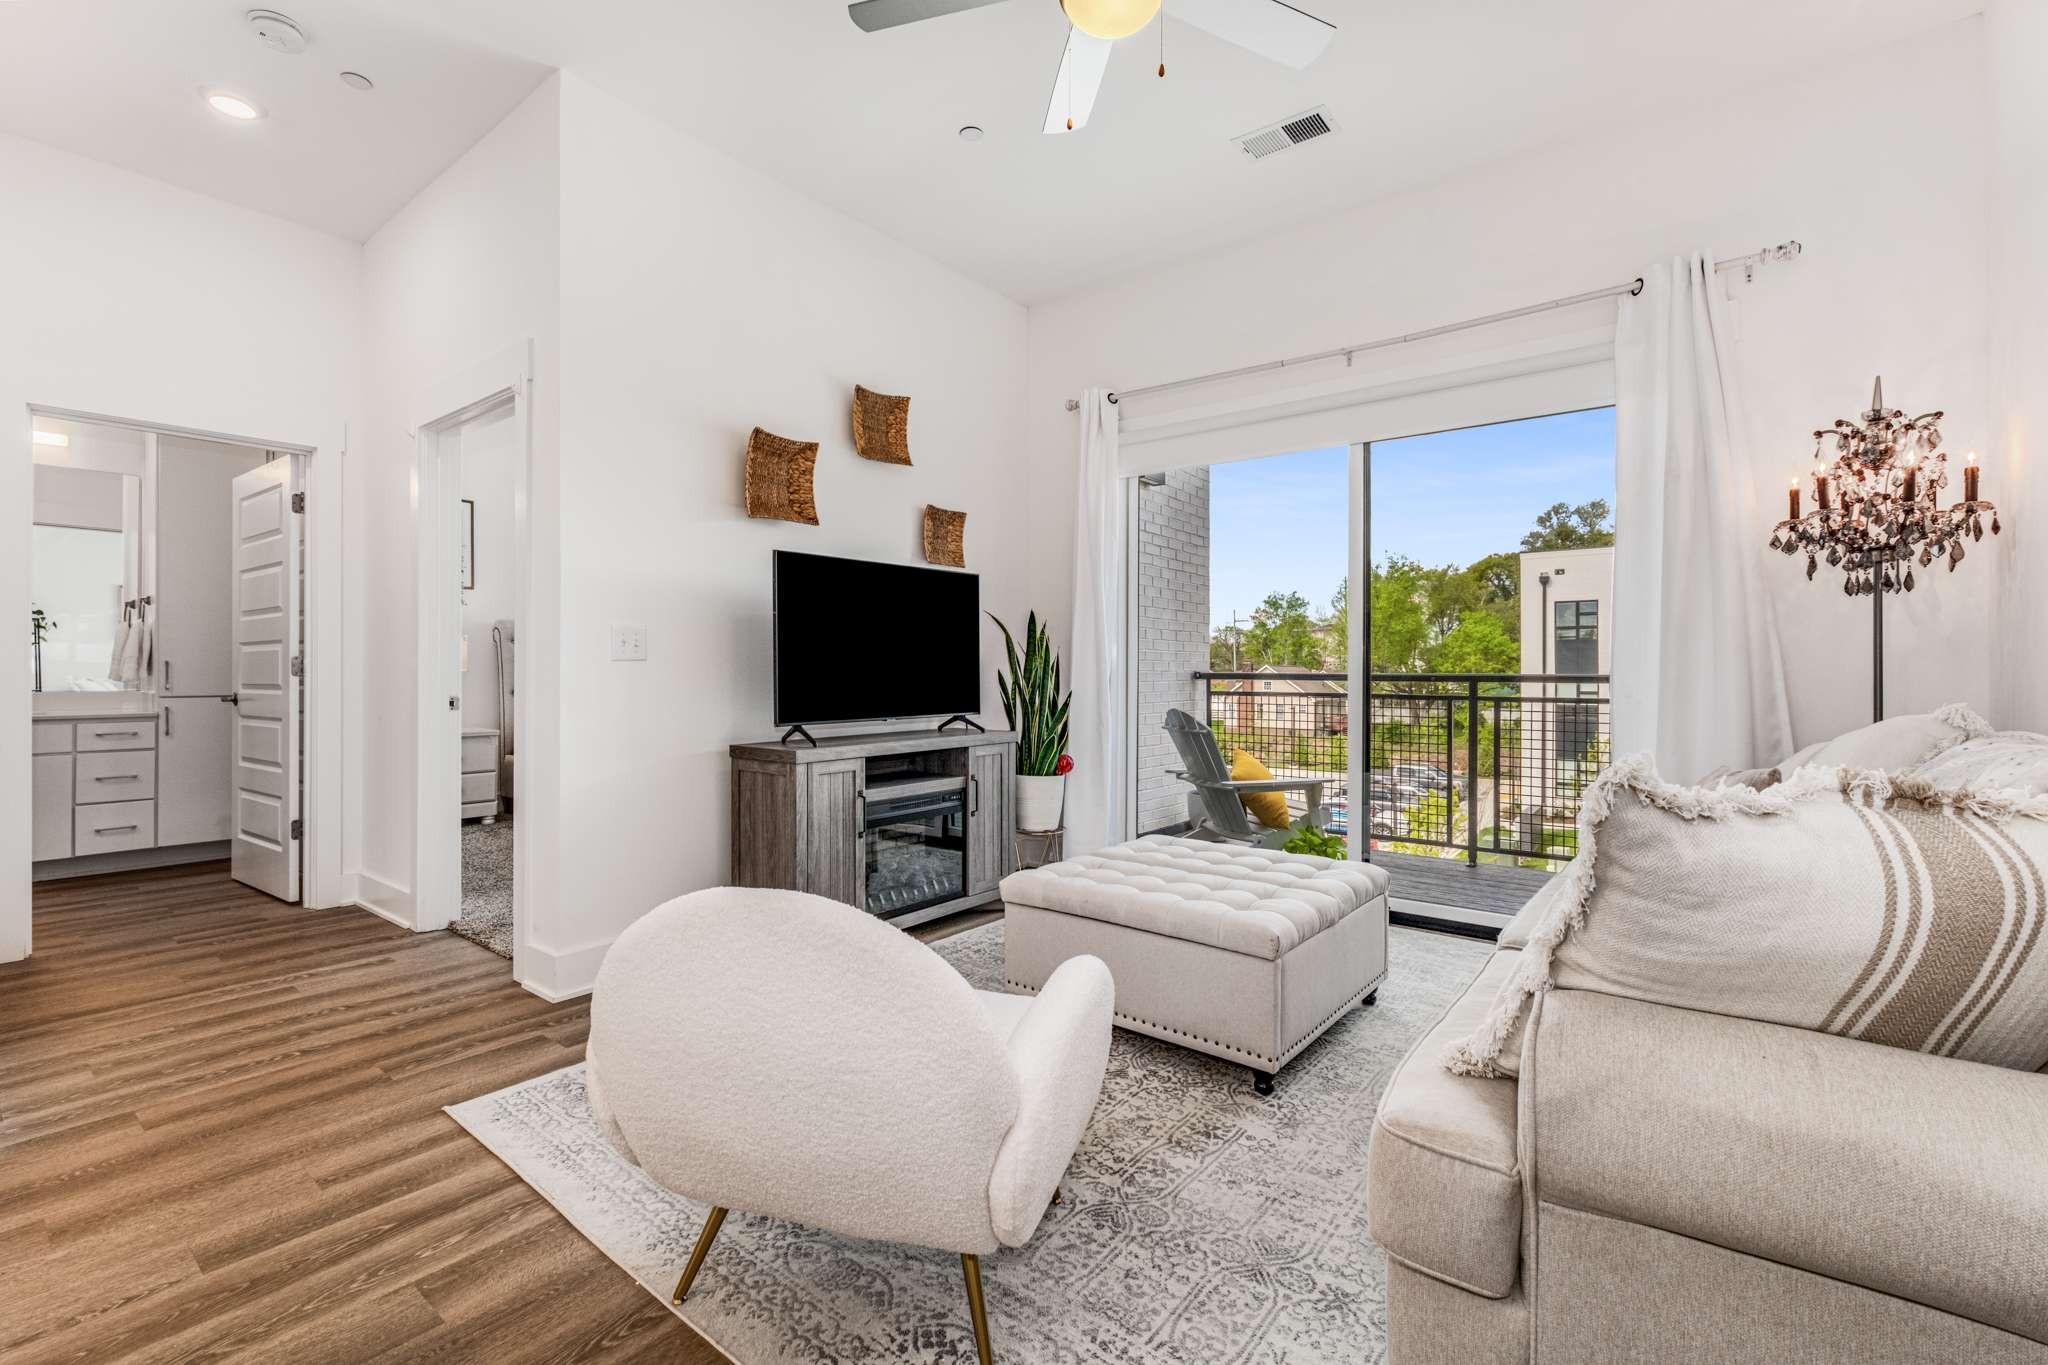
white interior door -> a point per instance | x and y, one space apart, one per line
265 772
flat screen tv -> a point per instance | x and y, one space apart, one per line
858 640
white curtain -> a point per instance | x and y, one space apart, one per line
1099 744
1698 678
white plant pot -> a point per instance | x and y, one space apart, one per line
1039 802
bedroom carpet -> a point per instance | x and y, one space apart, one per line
1201 1224
487 886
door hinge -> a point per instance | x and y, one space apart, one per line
298 828
298 665
298 502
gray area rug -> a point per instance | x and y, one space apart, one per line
1202 1225
486 917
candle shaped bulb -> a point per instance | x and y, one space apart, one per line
1970 479
1912 488
1820 489
1792 500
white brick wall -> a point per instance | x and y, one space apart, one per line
1173 632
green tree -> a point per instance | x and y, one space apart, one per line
1282 633
1400 624
1564 527
1478 644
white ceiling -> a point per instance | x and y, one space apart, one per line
120 81
867 123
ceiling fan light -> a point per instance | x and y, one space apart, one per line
1109 18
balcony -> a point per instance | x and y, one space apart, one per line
1473 779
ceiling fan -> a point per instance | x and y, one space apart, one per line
1276 31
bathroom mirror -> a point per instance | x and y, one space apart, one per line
86 559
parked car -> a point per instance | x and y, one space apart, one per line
1427 776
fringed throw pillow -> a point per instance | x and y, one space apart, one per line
1843 901
2008 760
1893 745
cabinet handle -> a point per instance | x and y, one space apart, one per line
115 829
120 777
167 722
974 790
860 813
116 734
167 675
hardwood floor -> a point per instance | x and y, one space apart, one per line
221 1137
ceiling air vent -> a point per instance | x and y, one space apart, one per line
1292 132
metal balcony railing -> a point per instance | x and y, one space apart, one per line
1490 764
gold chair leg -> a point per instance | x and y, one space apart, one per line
697 1255
970 1265
1055 1196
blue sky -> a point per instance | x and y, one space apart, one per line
1280 524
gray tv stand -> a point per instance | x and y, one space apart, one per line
804 817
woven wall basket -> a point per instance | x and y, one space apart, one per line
881 426
779 478
945 537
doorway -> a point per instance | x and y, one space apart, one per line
168 605
472 467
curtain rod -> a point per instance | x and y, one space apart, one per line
1747 264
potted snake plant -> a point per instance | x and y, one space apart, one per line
1036 709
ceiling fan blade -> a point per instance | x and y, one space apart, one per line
1276 31
872 15
1080 76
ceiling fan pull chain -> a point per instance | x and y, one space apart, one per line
1162 40
1070 79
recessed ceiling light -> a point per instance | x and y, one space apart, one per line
970 133
356 80
52 438
234 106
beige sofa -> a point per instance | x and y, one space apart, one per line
1671 1186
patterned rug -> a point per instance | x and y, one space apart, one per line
1202 1225
486 917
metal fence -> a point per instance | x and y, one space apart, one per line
1490 764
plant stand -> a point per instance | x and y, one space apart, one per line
1037 847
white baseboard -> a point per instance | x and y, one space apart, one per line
557 975
384 900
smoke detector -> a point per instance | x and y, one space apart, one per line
277 32
1279 137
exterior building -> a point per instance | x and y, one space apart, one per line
1567 601
1172 553
1567 605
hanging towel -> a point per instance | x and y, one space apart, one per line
119 656
130 661
145 653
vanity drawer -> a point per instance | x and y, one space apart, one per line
125 776
95 735
479 755
50 737
113 827
479 787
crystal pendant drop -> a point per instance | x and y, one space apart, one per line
1812 566
1776 542
1909 580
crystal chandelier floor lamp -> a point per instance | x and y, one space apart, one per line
1878 512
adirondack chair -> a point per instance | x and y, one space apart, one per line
1223 813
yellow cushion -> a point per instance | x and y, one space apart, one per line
1268 808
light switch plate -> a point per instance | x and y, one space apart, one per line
629 644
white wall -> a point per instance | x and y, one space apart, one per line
1885 192
130 298
700 299
2017 41
467 269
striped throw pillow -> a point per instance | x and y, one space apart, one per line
1844 901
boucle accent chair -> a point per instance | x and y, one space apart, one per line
1243 953
788 1055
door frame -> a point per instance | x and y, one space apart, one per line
322 884
505 378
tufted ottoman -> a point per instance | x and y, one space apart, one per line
1242 953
